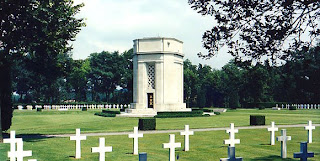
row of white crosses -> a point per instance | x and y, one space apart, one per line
79 106
284 138
102 149
16 152
301 106
172 145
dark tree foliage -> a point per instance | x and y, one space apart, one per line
5 100
107 70
242 84
254 29
39 30
301 75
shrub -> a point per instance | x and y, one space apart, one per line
217 113
292 108
257 120
207 110
147 124
196 113
84 109
111 111
105 114
39 109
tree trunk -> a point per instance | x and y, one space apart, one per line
5 98
1 137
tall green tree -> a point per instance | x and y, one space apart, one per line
203 73
127 80
106 73
301 76
38 29
256 83
231 84
78 78
191 83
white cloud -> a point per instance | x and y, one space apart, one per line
113 24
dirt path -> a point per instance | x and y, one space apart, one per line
163 131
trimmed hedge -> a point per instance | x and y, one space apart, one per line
110 111
147 124
217 113
292 108
84 109
105 114
39 109
207 110
196 113
257 120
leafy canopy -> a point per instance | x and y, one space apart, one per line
255 29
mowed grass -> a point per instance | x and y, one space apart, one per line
204 145
62 122
254 146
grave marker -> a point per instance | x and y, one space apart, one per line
231 155
13 140
186 134
20 154
303 154
172 145
102 149
309 128
135 137
272 130
232 141
78 139
283 138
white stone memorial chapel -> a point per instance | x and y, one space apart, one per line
157 76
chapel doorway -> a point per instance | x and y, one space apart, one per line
150 100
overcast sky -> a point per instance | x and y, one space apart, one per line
113 24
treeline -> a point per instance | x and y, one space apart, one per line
107 77
240 84
103 77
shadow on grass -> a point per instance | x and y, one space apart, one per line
265 144
29 137
272 158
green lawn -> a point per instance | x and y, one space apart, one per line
54 122
203 145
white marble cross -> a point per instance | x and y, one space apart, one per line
13 140
102 149
186 134
172 146
309 128
232 141
78 139
272 129
135 137
283 138
20 154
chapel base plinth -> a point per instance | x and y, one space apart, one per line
171 107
